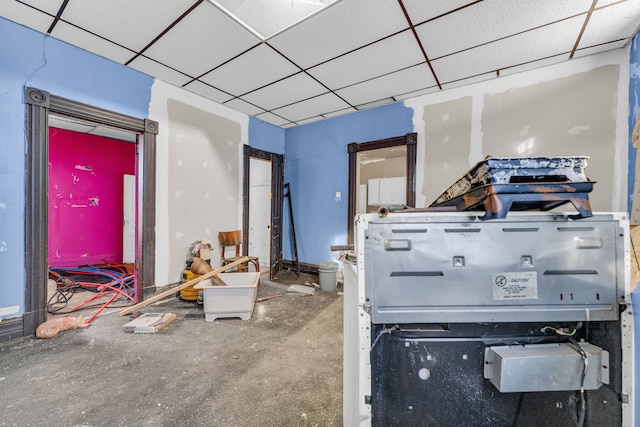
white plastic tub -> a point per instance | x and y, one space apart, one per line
234 300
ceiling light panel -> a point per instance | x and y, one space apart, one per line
384 57
491 20
615 22
208 92
531 46
159 71
239 76
272 118
285 92
92 43
424 10
270 16
312 107
244 107
133 24
28 16
408 80
339 29
203 40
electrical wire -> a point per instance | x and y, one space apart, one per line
585 363
119 285
384 331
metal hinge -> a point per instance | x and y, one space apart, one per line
367 400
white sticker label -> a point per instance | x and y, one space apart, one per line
521 285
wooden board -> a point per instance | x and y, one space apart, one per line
182 286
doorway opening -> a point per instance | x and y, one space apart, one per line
41 108
381 172
262 207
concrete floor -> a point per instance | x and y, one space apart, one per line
283 367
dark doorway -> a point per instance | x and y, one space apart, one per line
275 224
39 105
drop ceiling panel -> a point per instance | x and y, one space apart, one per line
340 112
92 43
272 118
239 76
285 92
203 40
159 71
208 92
491 20
600 48
411 79
423 10
312 107
384 57
26 16
415 93
534 45
339 29
609 24
310 120
535 64
244 107
142 22
49 6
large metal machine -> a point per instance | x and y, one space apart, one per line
518 321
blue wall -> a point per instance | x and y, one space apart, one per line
634 105
265 136
29 58
317 166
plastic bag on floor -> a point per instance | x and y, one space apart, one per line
50 328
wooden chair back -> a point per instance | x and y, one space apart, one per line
230 238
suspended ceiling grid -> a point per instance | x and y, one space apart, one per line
291 62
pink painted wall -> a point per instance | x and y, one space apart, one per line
85 197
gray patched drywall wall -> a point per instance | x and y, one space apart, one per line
570 116
204 180
447 131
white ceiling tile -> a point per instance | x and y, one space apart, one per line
49 6
410 79
312 107
208 92
203 40
386 56
374 104
534 45
338 29
272 118
142 22
285 92
244 107
159 71
239 76
619 21
28 16
600 48
288 125
491 20
416 93
340 112
423 10
92 43
310 120
535 64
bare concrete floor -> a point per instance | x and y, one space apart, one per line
283 367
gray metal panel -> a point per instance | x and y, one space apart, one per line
456 268
545 367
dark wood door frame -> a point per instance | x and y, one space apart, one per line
277 189
410 140
39 104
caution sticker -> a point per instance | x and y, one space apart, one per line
520 285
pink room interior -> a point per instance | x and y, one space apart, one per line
86 197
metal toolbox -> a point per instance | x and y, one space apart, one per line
435 267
